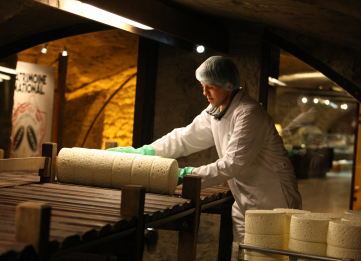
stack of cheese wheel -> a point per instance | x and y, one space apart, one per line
344 239
308 233
289 213
115 169
264 228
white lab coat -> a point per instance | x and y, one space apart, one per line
252 157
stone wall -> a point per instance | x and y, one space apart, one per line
98 65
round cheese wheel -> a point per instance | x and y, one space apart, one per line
339 252
269 241
122 169
163 176
332 216
83 170
66 165
351 218
289 212
141 168
309 228
345 234
265 222
353 212
102 168
307 247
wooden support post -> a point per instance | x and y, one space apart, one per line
1 154
265 64
32 226
226 232
132 204
48 173
110 144
187 245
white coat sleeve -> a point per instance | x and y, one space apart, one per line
249 134
195 137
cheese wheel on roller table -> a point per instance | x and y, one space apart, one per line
265 222
102 168
312 248
163 176
269 241
309 228
353 212
122 169
289 212
345 234
141 171
66 165
84 166
339 252
351 218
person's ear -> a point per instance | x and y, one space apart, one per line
230 86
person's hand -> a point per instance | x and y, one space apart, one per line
145 150
183 172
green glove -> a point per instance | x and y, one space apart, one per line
145 150
183 172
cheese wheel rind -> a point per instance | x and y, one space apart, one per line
332 216
122 169
141 168
66 165
311 248
289 212
83 169
356 218
265 222
353 212
339 252
102 168
309 228
162 176
269 241
345 234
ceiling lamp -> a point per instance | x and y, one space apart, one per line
304 100
200 49
5 77
344 106
278 82
65 53
7 70
315 100
45 49
100 15
327 102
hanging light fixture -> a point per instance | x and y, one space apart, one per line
45 49
65 53
200 49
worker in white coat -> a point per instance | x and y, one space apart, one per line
252 157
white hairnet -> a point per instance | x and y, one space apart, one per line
220 71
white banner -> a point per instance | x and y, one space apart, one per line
33 109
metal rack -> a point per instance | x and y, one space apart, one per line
76 218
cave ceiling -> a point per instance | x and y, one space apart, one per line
26 23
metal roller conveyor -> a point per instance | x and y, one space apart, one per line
77 217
